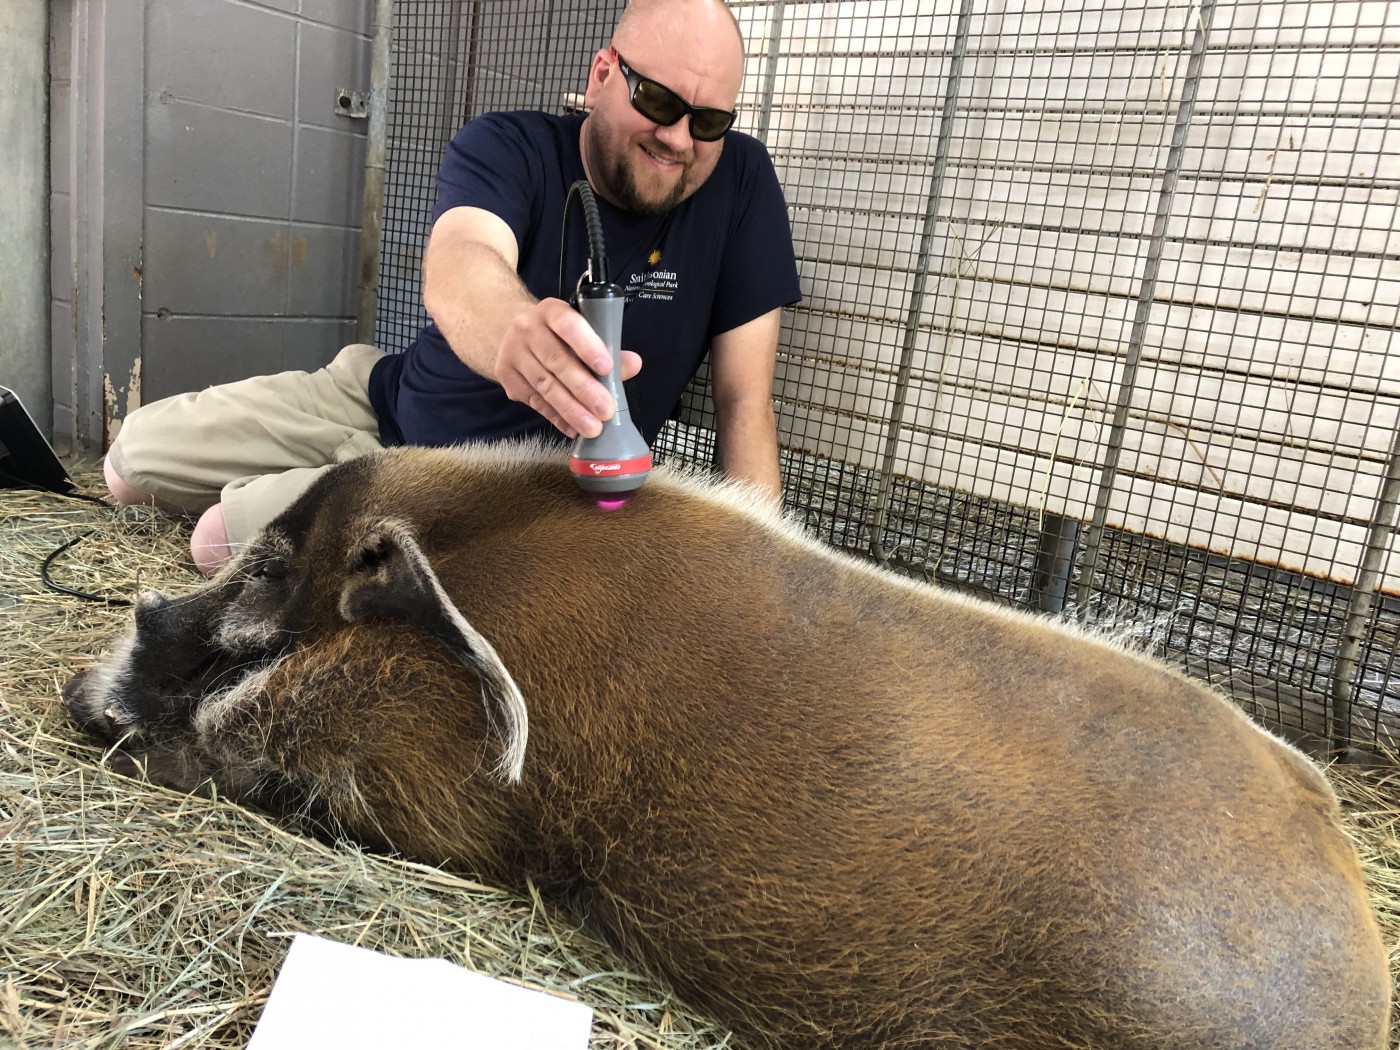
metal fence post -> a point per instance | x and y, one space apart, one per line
916 297
376 149
1363 597
770 72
1089 556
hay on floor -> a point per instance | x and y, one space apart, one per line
132 916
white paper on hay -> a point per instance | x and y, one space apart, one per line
338 995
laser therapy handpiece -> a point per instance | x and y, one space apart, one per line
617 461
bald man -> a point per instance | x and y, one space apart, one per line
695 229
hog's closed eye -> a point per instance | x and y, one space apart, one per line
269 569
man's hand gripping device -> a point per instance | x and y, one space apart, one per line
617 461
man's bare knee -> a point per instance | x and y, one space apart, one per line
129 495
209 544
125 494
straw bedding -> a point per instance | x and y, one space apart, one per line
134 917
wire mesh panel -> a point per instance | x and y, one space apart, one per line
1100 304
453 60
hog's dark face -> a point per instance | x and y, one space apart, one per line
191 691
185 653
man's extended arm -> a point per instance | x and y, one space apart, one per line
746 434
540 351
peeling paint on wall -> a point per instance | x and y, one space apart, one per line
133 389
111 422
113 410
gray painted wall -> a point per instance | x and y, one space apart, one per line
24 262
211 193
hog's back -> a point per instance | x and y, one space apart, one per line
923 818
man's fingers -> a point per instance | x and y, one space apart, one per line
559 423
578 335
526 389
543 392
552 363
574 395
560 388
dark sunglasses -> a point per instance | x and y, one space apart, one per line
659 103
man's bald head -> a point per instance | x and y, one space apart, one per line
663 21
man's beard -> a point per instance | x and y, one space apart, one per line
619 179
622 181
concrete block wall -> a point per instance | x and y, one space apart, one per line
24 362
201 162
253 188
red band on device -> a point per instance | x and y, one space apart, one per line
602 468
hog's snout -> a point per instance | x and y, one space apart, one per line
144 693
81 703
74 694
152 609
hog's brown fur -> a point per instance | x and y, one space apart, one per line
834 808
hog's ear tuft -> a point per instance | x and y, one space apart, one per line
389 578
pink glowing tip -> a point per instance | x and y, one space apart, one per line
611 504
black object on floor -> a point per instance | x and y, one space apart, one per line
27 460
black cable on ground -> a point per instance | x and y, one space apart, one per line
44 569
84 595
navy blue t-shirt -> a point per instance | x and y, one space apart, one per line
719 260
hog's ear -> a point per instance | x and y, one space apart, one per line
389 578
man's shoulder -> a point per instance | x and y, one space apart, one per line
746 163
526 126
510 164
744 143
745 174
744 149
530 119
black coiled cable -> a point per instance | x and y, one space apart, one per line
48 581
593 224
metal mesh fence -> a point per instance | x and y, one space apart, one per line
453 60
1100 304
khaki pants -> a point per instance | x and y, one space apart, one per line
254 445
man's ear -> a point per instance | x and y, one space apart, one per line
598 74
388 577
